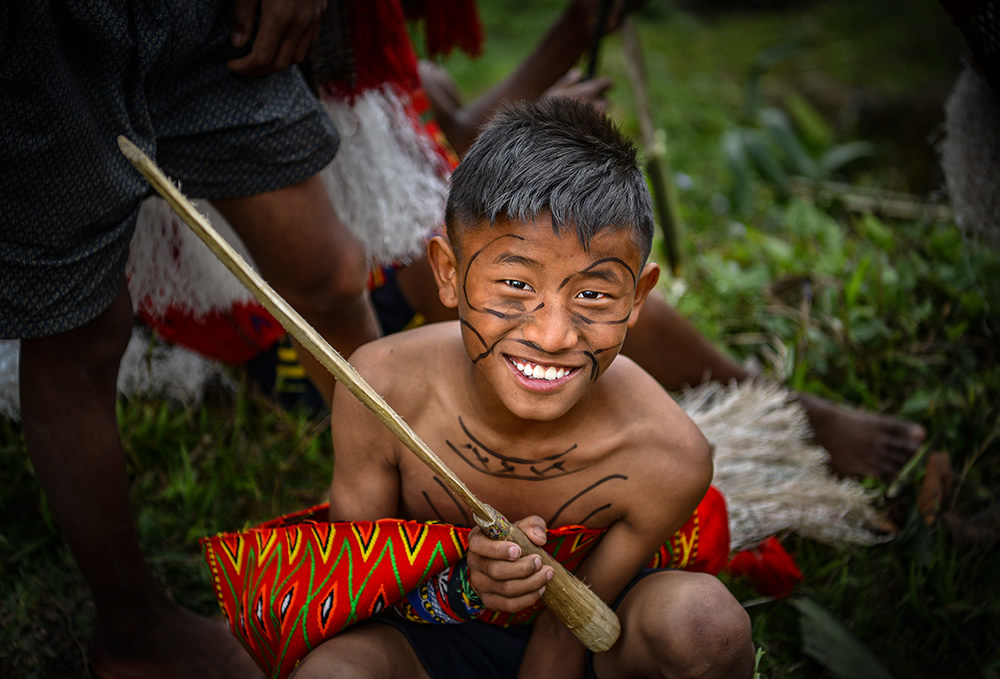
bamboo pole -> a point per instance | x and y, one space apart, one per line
568 598
654 143
877 201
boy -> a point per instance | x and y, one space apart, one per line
549 227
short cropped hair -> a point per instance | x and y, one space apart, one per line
555 156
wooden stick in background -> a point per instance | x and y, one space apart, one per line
573 602
654 142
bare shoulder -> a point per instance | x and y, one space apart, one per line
401 365
660 438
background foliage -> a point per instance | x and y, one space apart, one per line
895 315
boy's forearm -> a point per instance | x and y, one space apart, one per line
552 651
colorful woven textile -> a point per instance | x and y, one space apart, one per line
293 582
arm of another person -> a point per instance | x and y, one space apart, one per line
560 48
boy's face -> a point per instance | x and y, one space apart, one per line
541 317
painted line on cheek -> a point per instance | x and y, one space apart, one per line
590 321
594 366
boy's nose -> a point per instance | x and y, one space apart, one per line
552 328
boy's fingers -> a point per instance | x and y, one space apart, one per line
505 570
505 605
510 595
482 546
534 528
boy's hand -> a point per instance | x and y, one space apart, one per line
287 29
504 579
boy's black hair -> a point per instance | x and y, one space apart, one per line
555 156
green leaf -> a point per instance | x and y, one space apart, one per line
853 287
831 644
919 402
816 132
734 153
842 155
876 231
779 127
766 162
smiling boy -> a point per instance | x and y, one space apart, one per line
526 399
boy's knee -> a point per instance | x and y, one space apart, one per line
705 632
370 651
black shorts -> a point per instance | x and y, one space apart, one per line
75 74
476 650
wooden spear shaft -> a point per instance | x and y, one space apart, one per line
654 142
568 598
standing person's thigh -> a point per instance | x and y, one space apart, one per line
679 624
367 651
254 146
300 244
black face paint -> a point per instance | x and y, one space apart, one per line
580 321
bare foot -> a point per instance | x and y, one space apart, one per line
183 647
862 443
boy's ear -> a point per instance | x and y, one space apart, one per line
444 263
647 281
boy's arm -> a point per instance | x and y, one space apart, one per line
653 514
658 502
366 482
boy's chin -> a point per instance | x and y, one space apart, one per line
539 408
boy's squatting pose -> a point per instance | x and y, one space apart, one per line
549 228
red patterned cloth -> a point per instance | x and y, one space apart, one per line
293 582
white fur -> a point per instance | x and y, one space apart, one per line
970 156
774 480
386 182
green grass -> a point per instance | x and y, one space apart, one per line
903 317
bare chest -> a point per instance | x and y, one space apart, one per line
569 481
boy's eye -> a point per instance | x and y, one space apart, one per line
591 294
517 285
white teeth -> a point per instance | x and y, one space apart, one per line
539 373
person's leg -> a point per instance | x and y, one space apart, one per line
670 349
368 651
677 624
313 261
68 392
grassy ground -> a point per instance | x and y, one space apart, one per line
902 317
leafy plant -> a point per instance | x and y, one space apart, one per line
766 145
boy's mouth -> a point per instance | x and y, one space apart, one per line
539 371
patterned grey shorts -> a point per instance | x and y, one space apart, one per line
75 75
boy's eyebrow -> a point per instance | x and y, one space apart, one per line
514 258
607 274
